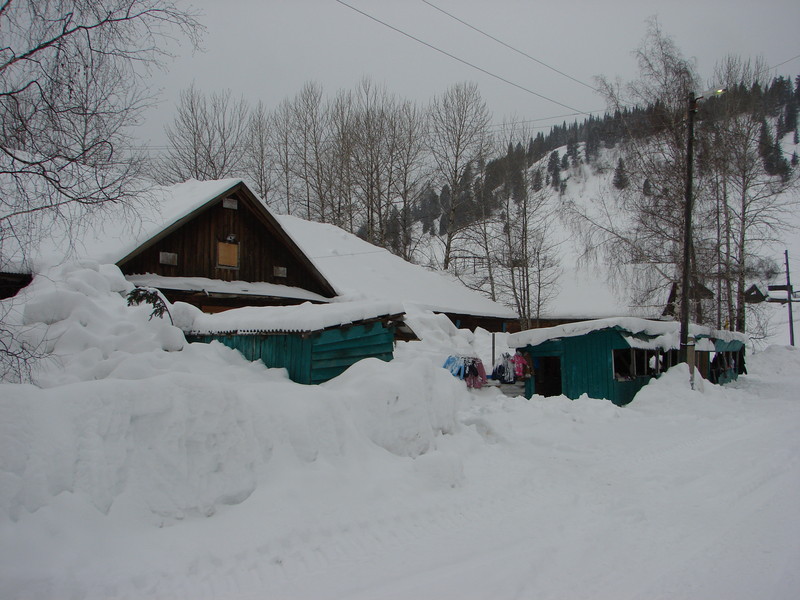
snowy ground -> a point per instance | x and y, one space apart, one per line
140 471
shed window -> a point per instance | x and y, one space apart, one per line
227 255
630 363
669 359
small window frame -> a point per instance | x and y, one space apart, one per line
228 256
169 259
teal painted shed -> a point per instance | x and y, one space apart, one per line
314 343
615 358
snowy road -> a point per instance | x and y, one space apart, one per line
647 507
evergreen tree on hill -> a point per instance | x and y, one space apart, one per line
536 182
621 180
774 161
592 145
572 151
554 169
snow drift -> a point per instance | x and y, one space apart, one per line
135 420
141 466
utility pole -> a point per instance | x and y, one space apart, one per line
687 233
687 349
789 297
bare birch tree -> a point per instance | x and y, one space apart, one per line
409 166
458 123
528 268
71 87
309 144
751 203
373 144
259 156
207 138
639 230
283 132
343 148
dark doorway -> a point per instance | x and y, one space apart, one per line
547 375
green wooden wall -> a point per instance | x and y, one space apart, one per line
590 370
316 357
587 365
334 350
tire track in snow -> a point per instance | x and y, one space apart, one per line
278 566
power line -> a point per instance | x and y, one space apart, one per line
774 66
564 116
461 60
502 43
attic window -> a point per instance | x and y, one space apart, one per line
279 271
227 255
231 203
168 258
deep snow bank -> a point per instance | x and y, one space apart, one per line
140 424
390 481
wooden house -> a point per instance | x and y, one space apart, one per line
224 252
615 358
213 244
216 245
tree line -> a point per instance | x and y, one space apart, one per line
422 181
361 159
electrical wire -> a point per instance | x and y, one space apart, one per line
510 47
774 66
461 60
524 121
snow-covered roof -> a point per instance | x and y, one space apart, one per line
666 333
110 234
302 318
357 269
217 286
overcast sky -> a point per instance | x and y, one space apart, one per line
268 49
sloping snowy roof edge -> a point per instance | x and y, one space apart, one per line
667 330
303 318
356 268
216 286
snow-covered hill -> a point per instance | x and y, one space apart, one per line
145 467
587 287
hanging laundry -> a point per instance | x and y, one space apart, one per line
504 369
522 365
470 369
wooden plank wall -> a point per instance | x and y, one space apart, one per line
317 358
195 243
335 350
